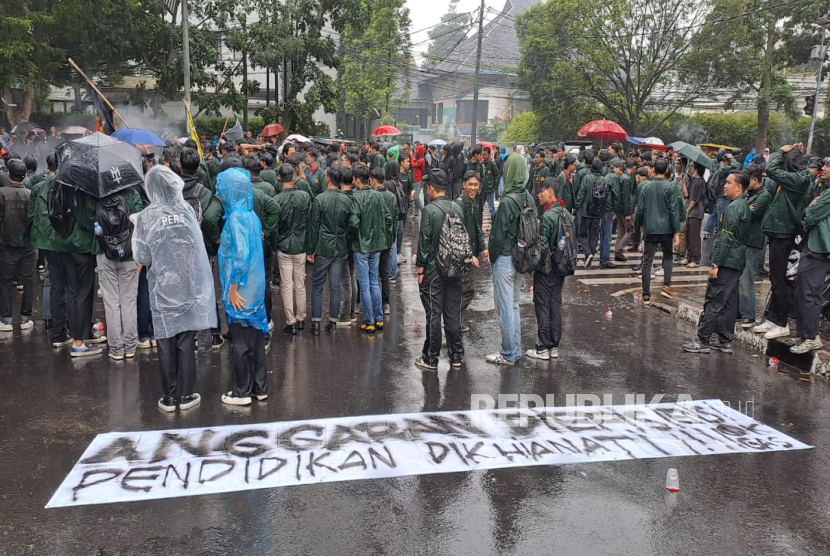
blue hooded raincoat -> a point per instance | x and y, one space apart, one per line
240 251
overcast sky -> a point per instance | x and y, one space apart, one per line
427 13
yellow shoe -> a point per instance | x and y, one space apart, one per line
379 325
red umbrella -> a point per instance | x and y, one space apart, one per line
604 130
272 129
387 130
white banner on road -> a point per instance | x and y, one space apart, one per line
130 466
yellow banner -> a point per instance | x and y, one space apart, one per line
191 130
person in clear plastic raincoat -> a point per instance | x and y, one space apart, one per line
242 271
168 241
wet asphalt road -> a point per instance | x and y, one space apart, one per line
775 503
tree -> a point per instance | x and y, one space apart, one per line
376 54
296 36
522 129
766 38
27 57
444 36
614 60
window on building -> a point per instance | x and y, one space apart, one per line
440 119
464 112
434 111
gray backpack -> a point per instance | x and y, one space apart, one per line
454 255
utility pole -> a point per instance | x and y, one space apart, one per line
478 70
186 51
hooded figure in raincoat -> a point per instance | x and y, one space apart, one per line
168 241
242 271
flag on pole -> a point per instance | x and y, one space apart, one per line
235 133
191 130
103 114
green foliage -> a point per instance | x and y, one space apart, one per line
522 129
376 52
492 131
212 126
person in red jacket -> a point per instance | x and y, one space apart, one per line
418 170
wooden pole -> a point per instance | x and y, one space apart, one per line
225 127
100 94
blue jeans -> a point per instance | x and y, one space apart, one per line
507 292
47 295
419 198
401 225
331 268
366 268
501 187
489 196
393 263
606 229
746 285
720 206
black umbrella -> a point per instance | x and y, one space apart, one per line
24 127
99 165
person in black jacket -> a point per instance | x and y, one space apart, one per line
17 256
470 202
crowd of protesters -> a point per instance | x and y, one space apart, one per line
262 213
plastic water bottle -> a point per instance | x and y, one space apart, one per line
522 246
672 480
99 231
773 362
562 243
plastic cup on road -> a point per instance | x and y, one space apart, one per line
672 480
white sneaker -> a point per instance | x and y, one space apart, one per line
230 399
764 327
808 345
26 324
270 325
777 332
544 355
554 353
6 327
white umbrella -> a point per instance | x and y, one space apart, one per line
437 143
296 138
653 141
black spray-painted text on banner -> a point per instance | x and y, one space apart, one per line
122 467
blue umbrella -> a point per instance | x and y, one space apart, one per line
139 137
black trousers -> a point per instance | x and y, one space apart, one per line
779 254
383 273
468 290
809 288
248 352
16 262
57 297
652 242
145 315
441 297
720 308
269 274
547 300
693 239
177 362
589 234
73 288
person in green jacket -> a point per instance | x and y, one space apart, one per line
41 233
254 167
469 201
538 174
547 282
293 211
590 214
378 160
297 160
17 256
782 223
624 209
612 193
564 183
507 282
717 326
376 181
210 165
813 268
267 173
370 223
441 296
758 199
314 173
657 213
327 247
724 167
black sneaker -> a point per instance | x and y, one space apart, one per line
646 299
331 327
607 265
167 403
465 329
300 325
189 401
637 267
217 343
588 260
315 328
290 329
61 341
695 346
746 323
420 362
456 364
721 347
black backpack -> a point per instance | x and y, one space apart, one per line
193 201
60 201
564 260
454 254
113 215
527 252
711 192
596 202
400 196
